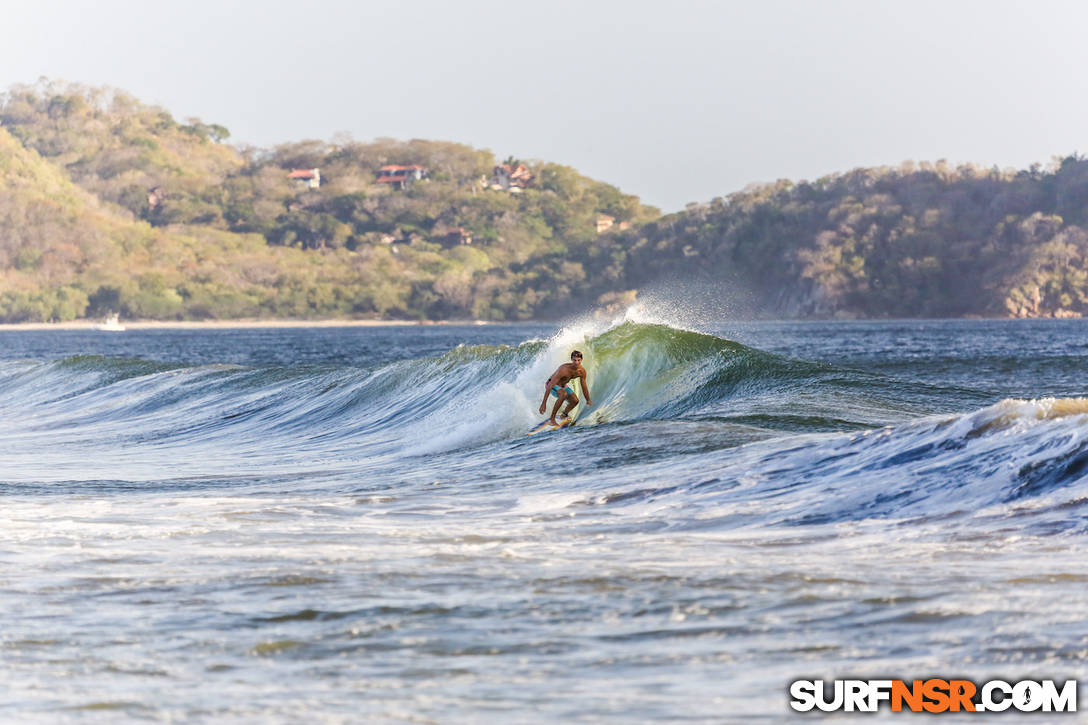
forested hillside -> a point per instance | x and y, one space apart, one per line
110 204
926 241
107 204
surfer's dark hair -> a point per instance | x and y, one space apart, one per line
576 352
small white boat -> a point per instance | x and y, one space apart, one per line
111 324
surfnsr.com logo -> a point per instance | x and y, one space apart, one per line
934 695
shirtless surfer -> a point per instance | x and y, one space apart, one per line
557 386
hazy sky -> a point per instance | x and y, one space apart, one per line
676 101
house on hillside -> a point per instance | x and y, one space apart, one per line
511 178
305 178
606 222
400 177
156 195
454 236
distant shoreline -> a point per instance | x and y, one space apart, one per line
89 325
94 325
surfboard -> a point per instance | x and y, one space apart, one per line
546 425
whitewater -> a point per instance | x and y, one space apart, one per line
349 524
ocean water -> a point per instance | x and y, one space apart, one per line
350 525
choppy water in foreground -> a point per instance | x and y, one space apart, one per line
338 525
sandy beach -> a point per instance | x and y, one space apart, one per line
229 324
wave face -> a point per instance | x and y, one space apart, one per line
470 396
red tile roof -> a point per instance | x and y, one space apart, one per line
301 174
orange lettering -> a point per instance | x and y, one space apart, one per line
936 691
911 695
961 693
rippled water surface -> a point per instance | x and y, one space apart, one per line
350 524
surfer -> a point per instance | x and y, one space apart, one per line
557 386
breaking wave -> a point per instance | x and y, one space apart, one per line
733 434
